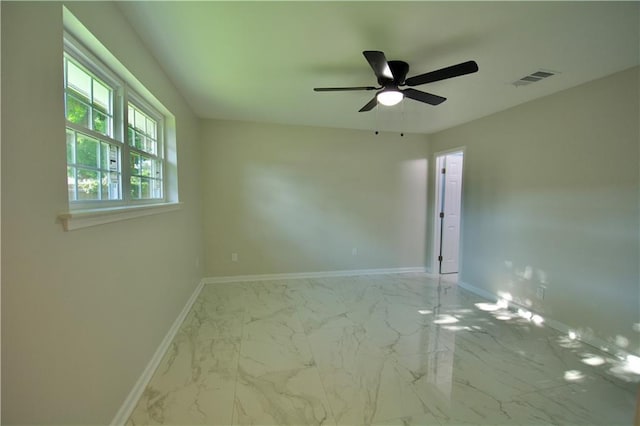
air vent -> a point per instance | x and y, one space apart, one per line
534 77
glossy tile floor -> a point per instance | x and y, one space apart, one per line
402 349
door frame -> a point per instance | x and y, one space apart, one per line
437 198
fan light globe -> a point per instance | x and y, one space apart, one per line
390 97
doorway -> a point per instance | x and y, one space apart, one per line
448 208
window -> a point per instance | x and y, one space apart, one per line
108 166
145 156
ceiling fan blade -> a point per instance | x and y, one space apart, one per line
443 73
371 105
342 89
425 97
379 64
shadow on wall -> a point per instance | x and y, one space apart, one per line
325 218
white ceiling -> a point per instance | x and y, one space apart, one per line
259 61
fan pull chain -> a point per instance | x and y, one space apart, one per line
402 118
377 120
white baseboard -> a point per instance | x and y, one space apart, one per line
132 399
590 340
298 275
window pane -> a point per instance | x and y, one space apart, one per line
135 164
77 111
140 121
87 151
105 186
71 157
156 188
79 80
151 128
138 140
150 145
104 156
141 142
156 171
87 184
143 131
145 188
130 119
71 183
109 156
135 187
101 122
114 159
101 97
110 186
146 177
147 167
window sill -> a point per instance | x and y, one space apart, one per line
78 219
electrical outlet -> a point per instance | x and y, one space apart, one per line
234 257
354 251
540 292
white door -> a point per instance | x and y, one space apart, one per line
451 200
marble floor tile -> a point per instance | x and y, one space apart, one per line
274 343
402 349
320 305
194 384
284 397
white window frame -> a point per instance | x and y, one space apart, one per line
94 212
86 60
147 109
122 96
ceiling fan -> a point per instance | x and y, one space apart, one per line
392 75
